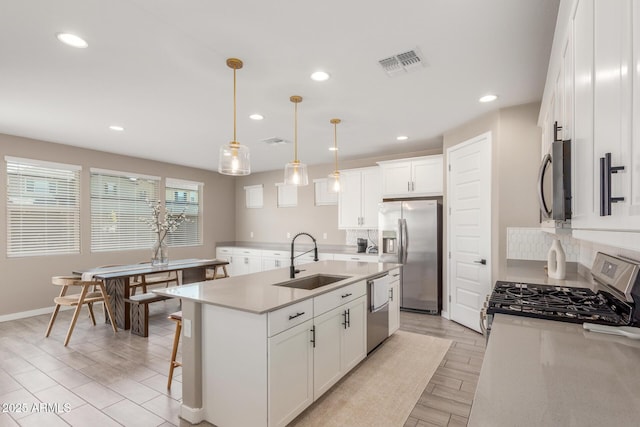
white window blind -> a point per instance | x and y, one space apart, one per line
185 196
43 208
118 202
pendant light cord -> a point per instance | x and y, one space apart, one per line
234 106
295 133
335 145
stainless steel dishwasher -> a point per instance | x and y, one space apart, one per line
377 310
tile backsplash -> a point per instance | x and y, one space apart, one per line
352 236
533 244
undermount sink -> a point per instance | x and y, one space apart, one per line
312 282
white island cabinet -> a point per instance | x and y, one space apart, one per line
256 353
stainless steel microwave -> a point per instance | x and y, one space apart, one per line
554 184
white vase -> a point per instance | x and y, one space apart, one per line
556 261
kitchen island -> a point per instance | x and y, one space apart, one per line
546 373
258 352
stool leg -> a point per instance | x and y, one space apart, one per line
174 352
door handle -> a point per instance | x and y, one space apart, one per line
482 261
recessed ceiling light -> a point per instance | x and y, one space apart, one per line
116 128
402 138
320 76
72 40
333 148
256 117
488 98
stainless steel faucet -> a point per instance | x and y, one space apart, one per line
292 268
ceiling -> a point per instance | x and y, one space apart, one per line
158 68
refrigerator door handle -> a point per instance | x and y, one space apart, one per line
400 242
405 240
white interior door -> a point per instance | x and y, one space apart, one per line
469 228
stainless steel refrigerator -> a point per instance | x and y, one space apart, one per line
410 233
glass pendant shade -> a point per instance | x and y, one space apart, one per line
234 160
334 182
295 173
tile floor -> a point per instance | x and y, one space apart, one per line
107 379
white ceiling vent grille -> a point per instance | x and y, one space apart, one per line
403 62
276 141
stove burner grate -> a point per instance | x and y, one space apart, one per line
576 305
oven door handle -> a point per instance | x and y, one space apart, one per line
546 161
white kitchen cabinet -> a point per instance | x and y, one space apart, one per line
600 113
287 195
358 198
306 359
354 335
394 301
254 196
246 261
610 127
415 177
275 259
327 367
340 343
290 373
582 178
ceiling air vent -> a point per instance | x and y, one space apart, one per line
402 63
275 141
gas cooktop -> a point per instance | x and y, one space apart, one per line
577 305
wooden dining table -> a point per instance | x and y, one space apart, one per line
117 282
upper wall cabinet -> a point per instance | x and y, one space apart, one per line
600 113
415 177
358 198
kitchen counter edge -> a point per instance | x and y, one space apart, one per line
233 292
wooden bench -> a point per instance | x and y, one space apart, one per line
140 311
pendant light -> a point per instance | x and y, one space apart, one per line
295 173
234 158
335 176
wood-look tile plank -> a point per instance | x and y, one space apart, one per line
457 395
445 405
458 421
452 383
429 414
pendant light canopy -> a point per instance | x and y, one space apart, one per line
335 176
234 157
295 173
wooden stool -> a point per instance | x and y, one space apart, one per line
176 317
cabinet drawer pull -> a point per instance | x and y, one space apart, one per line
346 295
355 258
296 315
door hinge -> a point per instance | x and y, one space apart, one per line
449 210
449 167
449 298
449 254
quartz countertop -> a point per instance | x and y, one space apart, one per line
535 272
548 373
300 246
257 293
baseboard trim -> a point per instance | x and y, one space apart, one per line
193 415
31 313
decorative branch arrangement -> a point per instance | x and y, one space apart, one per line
169 224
